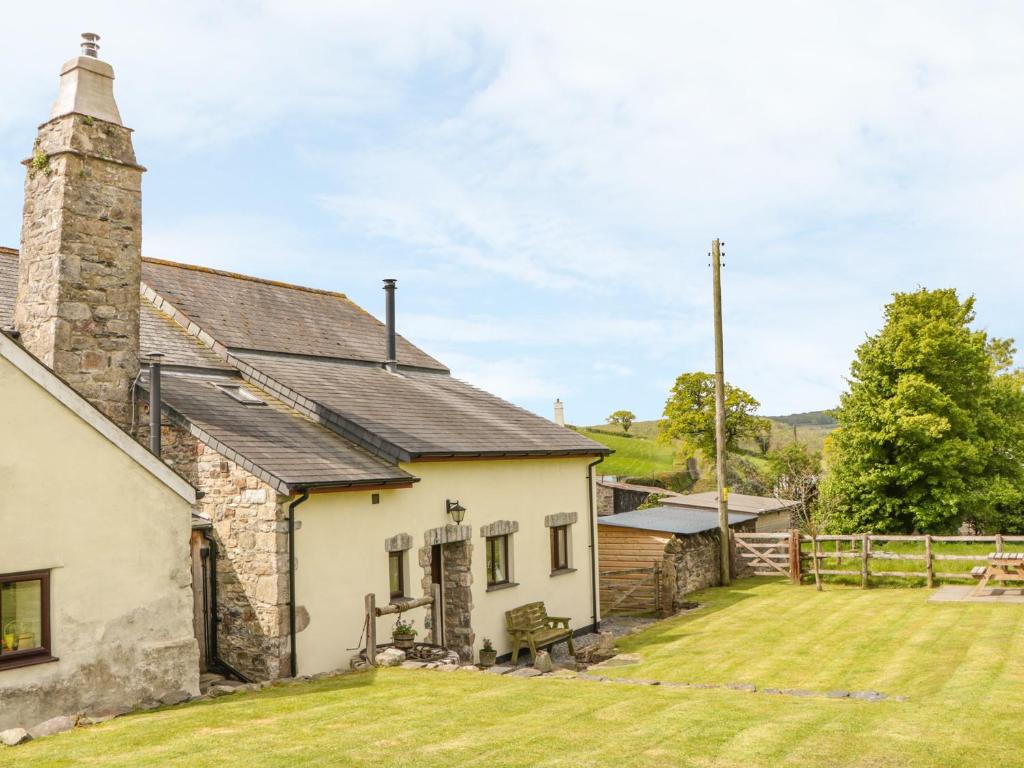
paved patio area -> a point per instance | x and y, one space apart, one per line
955 593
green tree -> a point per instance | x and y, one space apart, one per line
795 474
931 430
763 436
624 419
690 413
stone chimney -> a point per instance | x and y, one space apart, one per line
559 413
81 239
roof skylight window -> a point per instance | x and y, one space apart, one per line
239 394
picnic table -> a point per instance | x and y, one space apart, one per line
1002 566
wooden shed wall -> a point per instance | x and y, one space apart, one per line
626 548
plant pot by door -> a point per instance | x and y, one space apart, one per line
487 658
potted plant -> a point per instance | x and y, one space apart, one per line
403 635
10 635
487 654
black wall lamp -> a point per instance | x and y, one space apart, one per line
456 510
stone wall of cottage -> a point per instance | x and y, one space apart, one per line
79 269
250 526
250 530
457 583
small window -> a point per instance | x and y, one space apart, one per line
559 547
24 618
396 570
239 394
497 560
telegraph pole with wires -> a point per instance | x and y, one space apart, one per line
723 491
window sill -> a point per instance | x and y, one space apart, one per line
503 585
562 571
26 661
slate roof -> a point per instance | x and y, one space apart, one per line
285 449
422 413
158 333
672 520
248 313
334 415
738 502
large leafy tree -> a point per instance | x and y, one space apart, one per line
690 413
623 419
931 430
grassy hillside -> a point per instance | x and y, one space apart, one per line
808 428
633 457
810 418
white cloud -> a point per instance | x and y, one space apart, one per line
572 161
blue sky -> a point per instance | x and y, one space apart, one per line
544 178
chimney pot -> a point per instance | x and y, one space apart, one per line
391 363
559 413
90 44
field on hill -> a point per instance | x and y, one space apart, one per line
810 429
633 457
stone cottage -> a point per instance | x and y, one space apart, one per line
335 458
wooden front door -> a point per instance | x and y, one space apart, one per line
436 571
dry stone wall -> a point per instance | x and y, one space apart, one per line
691 563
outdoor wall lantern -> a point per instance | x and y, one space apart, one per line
456 510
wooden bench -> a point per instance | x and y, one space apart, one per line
978 571
530 626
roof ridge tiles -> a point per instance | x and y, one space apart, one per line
240 276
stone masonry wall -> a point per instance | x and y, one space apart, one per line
80 264
250 529
457 583
691 563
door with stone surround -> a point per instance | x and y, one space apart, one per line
436 569
447 557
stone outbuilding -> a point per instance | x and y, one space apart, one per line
773 515
651 558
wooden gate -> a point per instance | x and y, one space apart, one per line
768 554
631 590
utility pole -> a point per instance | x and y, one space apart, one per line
723 492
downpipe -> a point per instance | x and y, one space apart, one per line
294 655
592 514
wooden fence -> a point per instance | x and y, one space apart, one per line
860 550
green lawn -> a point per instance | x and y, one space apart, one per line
959 664
633 457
